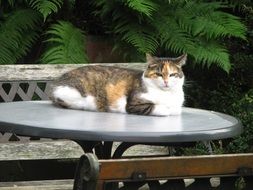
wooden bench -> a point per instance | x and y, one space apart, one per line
162 168
30 82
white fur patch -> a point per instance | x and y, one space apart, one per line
161 110
119 106
74 99
168 100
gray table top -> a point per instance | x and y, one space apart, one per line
41 118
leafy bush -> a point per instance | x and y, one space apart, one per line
18 33
195 27
23 25
67 44
243 109
231 94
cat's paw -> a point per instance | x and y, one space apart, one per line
161 110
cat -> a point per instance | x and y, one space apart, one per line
156 91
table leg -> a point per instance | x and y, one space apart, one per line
107 150
87 146
102 150
121 149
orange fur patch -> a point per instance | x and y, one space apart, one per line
150 74
114 92
169 68
165 71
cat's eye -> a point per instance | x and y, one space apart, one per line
174 75
159 74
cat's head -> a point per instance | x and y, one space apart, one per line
164 73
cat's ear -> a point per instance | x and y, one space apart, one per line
181 60
150 59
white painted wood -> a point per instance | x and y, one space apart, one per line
48 72
38 185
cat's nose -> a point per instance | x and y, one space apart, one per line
166 83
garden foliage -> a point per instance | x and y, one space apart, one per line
55 32
140 26
25 23
195 27
230 93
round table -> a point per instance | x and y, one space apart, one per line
97 130
41 118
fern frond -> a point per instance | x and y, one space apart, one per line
46 7
103 7
194 27
234 27
172 37
197 30
210 52
67 45
145 43
27 42
206 19
213 53
142 38
19 30
146 7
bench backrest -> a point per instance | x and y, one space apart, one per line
31 82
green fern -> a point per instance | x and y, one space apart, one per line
66 45
198 29
193 27
18 33
140 37
146 7
206 20
173 38
211 52
46 7
25 45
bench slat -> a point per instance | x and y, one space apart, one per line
48 72
171 167
38 185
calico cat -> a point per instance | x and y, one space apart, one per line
156 91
